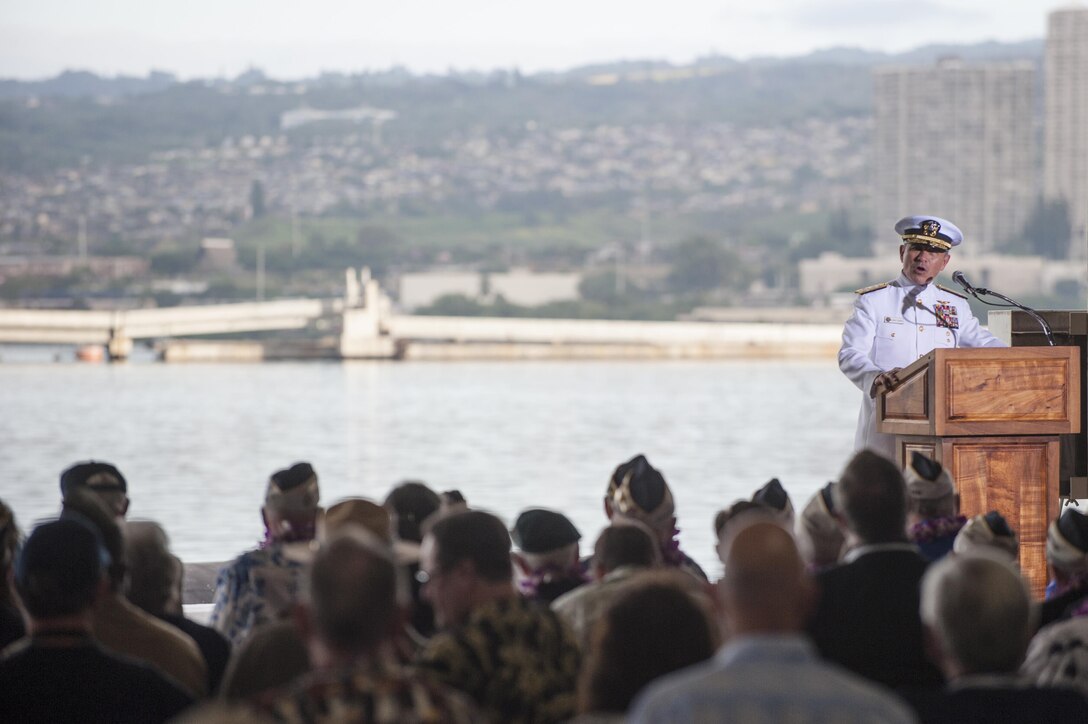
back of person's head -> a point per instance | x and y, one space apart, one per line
103 479
153 572
88 507
979 611
871 498
988 532
409 504
353 591
775 498
625 545
9 545
474 536
270 657
764 588
655 627
819 538
931 492
359 512
1067 543
291 503
59 569
644 495
545 539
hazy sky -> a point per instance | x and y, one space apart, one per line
297 38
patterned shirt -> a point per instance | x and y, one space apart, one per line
257 587
518 660
379 691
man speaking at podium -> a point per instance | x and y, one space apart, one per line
897 322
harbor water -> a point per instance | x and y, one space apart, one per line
197 442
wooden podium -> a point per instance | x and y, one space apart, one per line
992 417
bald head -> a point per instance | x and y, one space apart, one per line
765 588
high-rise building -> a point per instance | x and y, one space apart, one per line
1065 163
956 140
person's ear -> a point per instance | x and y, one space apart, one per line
902 251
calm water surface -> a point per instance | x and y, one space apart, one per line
197 442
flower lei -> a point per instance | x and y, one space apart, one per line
931 529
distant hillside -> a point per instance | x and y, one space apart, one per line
79 117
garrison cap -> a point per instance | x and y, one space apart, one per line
1067 541
927 479
538 530
775 497
99 476
293 490
932 231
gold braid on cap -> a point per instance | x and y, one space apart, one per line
624 503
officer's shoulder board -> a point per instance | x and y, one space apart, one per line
866 290
952 292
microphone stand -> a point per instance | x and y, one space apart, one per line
976 291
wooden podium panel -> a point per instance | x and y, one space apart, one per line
1015 476
986 391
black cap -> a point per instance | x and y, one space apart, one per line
1074 528
773 495
646 483
69 550
97 475
827 494
538 530
998 525
293 476
926 467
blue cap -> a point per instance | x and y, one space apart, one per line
932 231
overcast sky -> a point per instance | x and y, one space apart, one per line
299 38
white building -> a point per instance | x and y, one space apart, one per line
1065 162
957 141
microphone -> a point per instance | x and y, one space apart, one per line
959 278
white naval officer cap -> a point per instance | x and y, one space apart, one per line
932 231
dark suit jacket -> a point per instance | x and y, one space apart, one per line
867 618
987 704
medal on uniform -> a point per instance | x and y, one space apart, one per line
946 315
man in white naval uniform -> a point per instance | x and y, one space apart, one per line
897 322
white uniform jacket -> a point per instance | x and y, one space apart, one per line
893 325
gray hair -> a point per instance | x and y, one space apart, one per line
980 610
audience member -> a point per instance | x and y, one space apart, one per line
121 626
1067 554
272 656
547 561
619 555
453 500
102 479
728 519
642 494
775 498
518 661
767 671
410 504
988 533
350 622
655 626
11 620
819 537
361 512
155 585
978 619
1058 654
263 585
933 518
59 673
866 618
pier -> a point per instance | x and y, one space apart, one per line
362 325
